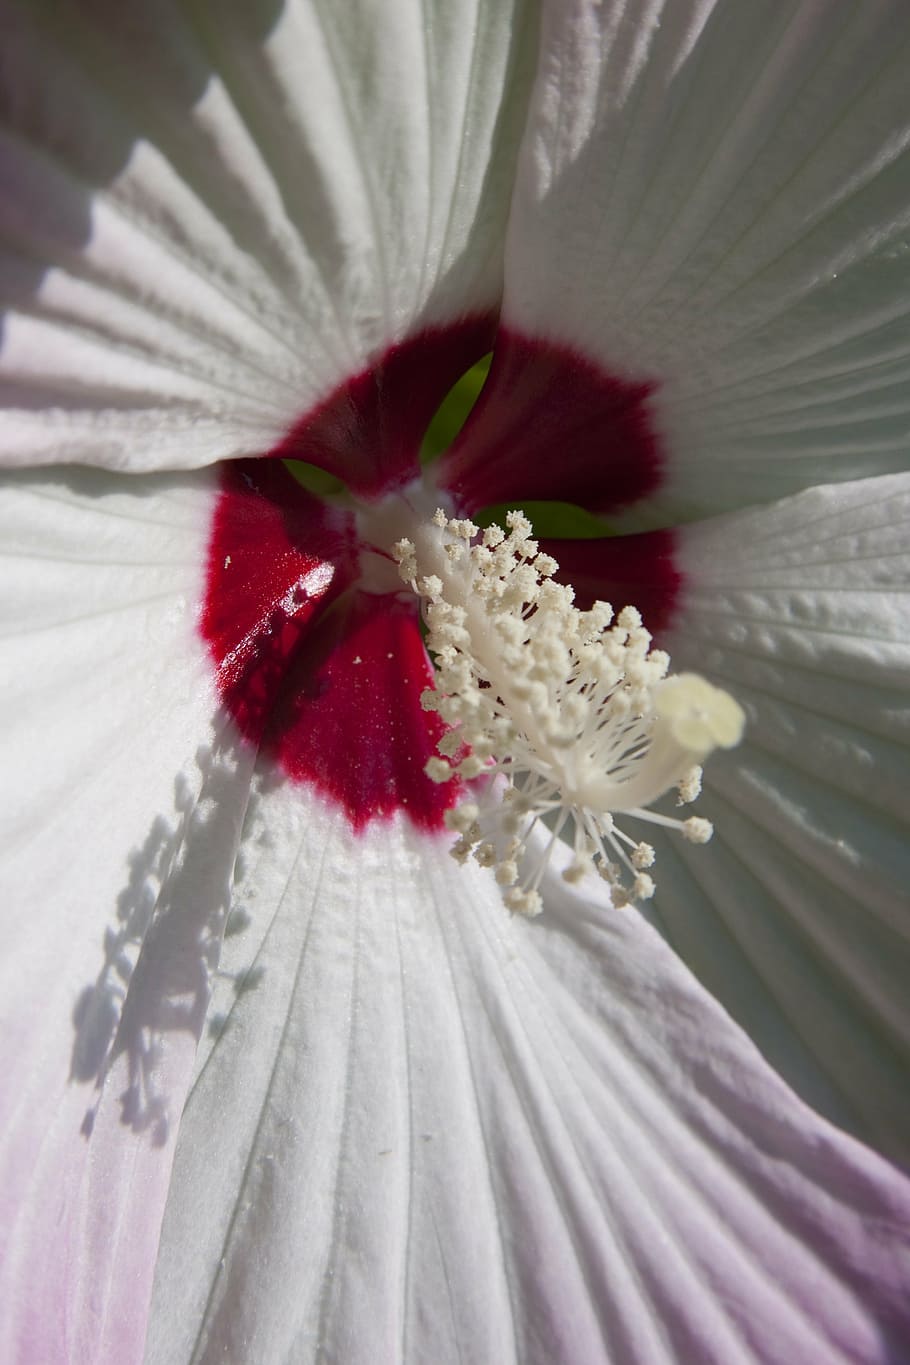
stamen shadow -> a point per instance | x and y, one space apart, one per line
161 952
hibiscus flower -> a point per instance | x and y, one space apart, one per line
283 1081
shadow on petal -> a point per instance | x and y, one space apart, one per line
161 953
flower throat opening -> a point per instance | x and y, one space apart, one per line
553 713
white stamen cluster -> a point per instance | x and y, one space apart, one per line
563 714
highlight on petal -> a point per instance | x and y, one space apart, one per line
277 559
207 229
322 671
126 791
425 1131
796 916
712 201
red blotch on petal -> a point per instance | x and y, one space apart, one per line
277 556
550 424
323 677
368 433
639 571
350 719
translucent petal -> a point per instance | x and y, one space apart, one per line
207 226
712 198
796 915
123 797
422 1130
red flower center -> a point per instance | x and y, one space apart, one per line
319 668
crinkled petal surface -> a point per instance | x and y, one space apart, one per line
424 1131
796 916
206 226
117 851
713 201
418 1129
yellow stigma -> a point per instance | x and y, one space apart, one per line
562 713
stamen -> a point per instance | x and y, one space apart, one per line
562 715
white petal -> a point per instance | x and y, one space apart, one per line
124 796
424 1131
713 196
208 224
796 915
